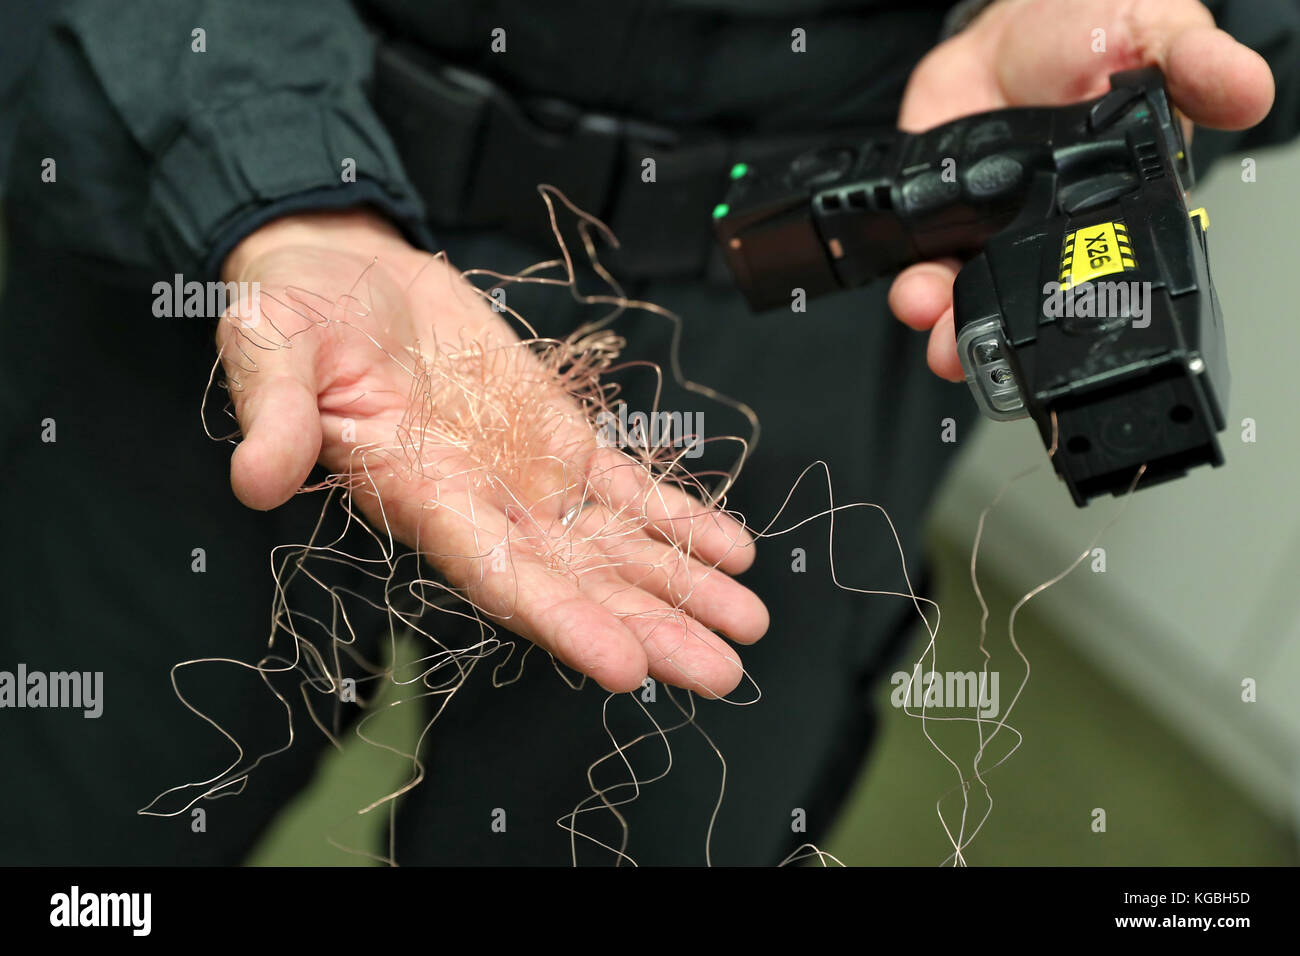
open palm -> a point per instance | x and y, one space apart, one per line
634 583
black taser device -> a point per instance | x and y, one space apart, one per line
1085 301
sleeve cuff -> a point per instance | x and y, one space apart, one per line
234 169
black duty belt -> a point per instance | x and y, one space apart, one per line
476 155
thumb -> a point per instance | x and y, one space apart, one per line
1045 57
1217 81
276 405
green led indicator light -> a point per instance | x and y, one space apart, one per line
1140 114
739 170
720 210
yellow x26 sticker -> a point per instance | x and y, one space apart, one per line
1095 251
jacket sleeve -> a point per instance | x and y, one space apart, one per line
1272 29
179 126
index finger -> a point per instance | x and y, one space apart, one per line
706 532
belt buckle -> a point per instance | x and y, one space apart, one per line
546 140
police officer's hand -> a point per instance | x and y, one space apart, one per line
334 389
1048 52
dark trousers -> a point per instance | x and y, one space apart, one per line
101 526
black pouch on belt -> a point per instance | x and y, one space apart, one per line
477 154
